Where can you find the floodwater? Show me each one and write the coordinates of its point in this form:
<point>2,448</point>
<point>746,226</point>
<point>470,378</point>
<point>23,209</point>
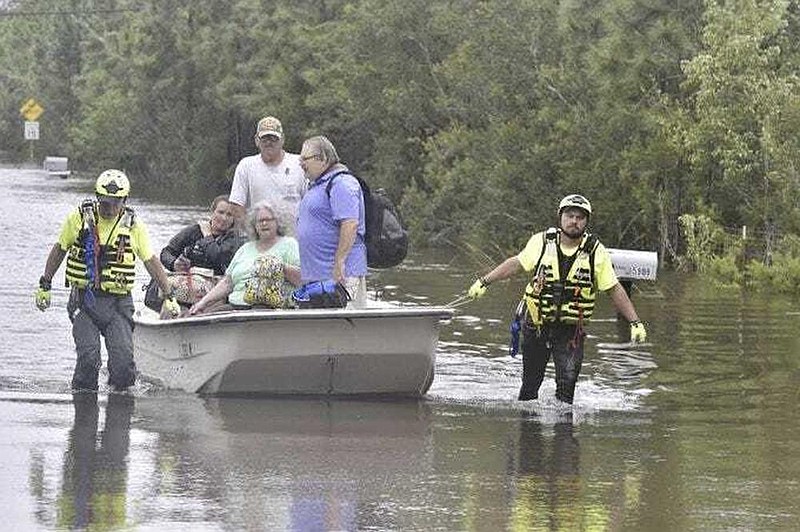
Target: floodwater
<point>697,430</point>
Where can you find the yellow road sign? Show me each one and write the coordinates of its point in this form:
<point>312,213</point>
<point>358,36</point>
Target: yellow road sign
<point>31,110</point>
<point>34,113</point>
<point>30,102</point>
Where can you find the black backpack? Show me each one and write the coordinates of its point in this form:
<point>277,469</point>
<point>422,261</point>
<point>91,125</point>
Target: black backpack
<point>386,239</point>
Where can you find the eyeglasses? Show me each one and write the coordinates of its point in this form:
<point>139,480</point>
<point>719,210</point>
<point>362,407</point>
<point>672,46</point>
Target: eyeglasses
<point>307,157</point>
<point>269,139</point>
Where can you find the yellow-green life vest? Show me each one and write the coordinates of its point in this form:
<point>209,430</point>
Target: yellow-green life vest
<point>550,299</point>
<point>115,259</point>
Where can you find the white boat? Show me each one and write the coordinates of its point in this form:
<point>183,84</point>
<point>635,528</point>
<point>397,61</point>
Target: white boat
<point>373,351</point>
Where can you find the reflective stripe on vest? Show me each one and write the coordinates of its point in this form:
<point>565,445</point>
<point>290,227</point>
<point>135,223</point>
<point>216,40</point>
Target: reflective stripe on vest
<point>116,276</point>
<point>548,298</point>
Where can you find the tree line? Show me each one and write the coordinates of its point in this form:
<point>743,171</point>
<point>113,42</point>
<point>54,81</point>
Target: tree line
<point>476,116</point>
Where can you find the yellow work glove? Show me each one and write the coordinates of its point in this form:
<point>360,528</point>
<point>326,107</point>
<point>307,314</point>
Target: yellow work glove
<point>477,289</point>
<point>170,307</point>
<point>42,297</point>
<point>638,333</point>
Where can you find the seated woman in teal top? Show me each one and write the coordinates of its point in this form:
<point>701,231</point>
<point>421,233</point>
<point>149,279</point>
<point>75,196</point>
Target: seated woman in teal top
<point>262,272</point>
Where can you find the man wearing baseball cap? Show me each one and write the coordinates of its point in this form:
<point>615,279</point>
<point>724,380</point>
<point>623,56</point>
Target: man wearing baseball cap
<point>272,174</point>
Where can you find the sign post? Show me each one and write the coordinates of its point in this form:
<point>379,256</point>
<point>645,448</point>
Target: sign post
<point>31,110</point>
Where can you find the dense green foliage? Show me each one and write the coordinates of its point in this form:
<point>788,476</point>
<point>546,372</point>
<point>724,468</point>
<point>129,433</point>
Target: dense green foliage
<point>477,116</point>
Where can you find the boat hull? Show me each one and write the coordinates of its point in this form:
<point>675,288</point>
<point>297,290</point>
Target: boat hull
<point>385,351</point>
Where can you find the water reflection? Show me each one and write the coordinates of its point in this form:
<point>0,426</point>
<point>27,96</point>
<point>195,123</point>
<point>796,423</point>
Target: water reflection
<point>554,489</point>
<point>286,464</point>
<point>550,492</point>
<point>95,476</point>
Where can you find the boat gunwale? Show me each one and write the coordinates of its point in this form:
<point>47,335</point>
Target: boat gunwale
<point>239,316</point>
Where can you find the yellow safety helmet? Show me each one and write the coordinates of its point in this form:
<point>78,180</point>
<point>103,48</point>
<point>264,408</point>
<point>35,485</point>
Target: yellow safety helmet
<point>575,200</point>
<point>113,183</point>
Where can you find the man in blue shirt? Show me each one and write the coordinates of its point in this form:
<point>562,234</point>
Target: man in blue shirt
<point>331,223</point>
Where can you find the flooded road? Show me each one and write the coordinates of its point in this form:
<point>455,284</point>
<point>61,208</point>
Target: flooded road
<point>698,430</point>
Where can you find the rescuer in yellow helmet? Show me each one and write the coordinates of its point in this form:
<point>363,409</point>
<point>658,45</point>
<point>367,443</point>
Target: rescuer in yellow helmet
<point>100,240</point>
<point>568,265</point>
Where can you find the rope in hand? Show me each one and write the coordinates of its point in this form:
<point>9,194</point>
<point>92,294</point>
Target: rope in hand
<point>463,299</point>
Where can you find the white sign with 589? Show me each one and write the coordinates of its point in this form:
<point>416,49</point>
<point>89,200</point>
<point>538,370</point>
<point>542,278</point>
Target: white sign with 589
<point>31,130</point>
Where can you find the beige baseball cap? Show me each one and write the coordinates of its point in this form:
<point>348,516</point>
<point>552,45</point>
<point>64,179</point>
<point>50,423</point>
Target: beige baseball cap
<point>269,125</point>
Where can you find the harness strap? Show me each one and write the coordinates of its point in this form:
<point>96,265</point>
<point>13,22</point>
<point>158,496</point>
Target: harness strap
<point>329,184</point>
<point>550,244</point>
<point>91,245</point>
<point>574,342</point>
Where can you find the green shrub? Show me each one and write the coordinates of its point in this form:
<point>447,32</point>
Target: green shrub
<point>723,271</point>
<point>703,238</point>
<point>782,275</point>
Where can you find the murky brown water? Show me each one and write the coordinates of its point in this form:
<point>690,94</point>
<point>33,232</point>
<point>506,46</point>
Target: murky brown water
<point>697,431</point>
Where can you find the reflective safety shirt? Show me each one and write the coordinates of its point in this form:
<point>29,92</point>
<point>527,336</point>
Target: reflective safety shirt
<point>551,298</point>
<point>119,241</point>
